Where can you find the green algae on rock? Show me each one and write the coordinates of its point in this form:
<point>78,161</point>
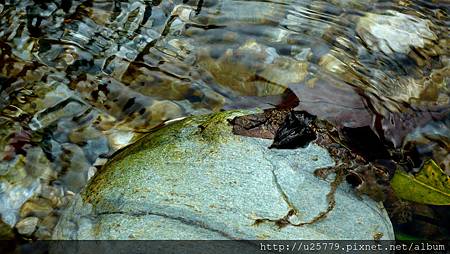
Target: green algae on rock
<point>195,179</point>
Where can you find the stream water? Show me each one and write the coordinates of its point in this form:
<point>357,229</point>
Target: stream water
<point>81,79</point>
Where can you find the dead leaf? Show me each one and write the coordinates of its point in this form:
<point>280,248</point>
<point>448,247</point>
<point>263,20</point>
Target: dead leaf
<point>430,186</point>
<point>295,131</point>
<point>288,129</point>
<point>263,125</point>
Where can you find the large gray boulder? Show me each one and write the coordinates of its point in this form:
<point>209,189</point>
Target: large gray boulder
<point>195,179</point>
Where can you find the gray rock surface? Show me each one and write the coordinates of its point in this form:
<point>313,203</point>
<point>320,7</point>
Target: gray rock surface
<point>195,179</point>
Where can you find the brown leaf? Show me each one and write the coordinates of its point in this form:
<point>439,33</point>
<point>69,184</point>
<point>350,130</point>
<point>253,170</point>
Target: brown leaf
<point>263,125</point>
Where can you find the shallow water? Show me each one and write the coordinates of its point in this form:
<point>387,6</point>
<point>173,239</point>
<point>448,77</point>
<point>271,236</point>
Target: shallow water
<point>81,79</point>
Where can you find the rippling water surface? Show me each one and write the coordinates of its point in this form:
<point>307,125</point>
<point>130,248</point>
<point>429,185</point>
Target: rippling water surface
<point>81,79</point>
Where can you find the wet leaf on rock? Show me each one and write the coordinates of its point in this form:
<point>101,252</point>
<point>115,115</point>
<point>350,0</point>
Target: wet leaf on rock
<point>288,129</point>
<point>430,186</point>
<point>295,131</point>
<point>263,125</point>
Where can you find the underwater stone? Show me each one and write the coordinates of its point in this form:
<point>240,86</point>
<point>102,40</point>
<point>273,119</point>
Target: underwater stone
<point>195,179</point>
<point>96,147</point>
<point>395,32</point>
<point>12,199</point>
<point>27,225</point>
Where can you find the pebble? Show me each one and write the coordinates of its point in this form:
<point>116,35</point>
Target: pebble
<point>27,226</point>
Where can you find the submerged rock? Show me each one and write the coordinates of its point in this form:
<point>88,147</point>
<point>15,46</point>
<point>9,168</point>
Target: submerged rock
<point>395,32</point>
<point>195,179</point>
<point>27,225</point>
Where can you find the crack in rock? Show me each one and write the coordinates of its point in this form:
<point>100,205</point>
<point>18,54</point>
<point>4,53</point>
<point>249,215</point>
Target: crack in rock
<point>180,219</point>
<point>280,189</point>
<point>284,221</point>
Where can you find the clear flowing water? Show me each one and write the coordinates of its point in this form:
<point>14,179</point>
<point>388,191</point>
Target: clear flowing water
<point>81,79</point>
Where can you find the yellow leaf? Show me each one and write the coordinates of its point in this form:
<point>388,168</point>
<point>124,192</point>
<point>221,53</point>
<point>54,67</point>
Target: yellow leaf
<point>430,186</point>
